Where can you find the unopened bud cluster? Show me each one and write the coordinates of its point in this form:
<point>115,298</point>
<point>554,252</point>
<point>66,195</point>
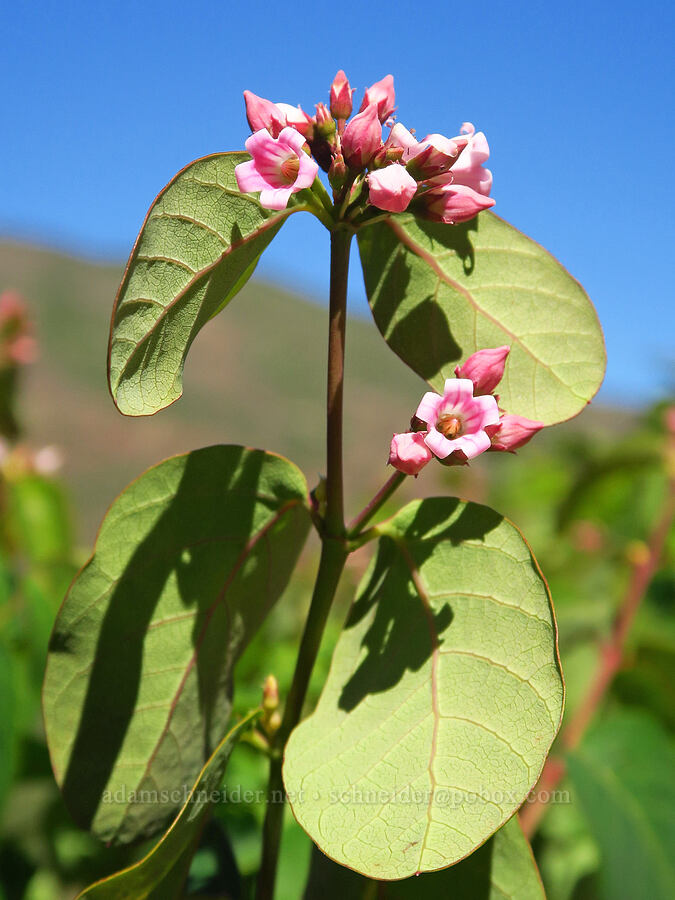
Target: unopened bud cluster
<point>441,178</point>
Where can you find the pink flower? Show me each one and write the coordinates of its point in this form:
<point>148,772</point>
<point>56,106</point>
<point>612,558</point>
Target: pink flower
<point>278,169</point>
<point>408,452</point>
<point>457,420</point>
<point>381,95</point>
<point>469,169</point>
<point>362,138</point>
<point>453,203</point>
<point>341,97</point>
<point>391,188</point>
<point>485,368</point>
<point>512,432</point>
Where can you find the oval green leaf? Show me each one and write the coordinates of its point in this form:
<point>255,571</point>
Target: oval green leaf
<point>443,697</point>
<point>188,562</point>
<point>199,244</point>
<point>502,867</point>
<point>440,292</point>
<point>162,872</point>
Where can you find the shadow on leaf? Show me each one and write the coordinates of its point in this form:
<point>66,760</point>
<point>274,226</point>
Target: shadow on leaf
<point>406,625</point>
<point>192,544</point>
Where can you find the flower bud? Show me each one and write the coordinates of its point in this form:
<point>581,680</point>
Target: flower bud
<point>341,97</point>
<point>325,124</point>
<point>408,453</point>
<point>263,113</point>
<point>485,368</point>
<point>362,138</point>
<point>270,700</point>
<point>512,432</point>
<point>380,95</point>
<point>337,174</point>
<point>391,188</point>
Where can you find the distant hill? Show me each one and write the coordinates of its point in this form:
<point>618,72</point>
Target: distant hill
<point>255,375</point>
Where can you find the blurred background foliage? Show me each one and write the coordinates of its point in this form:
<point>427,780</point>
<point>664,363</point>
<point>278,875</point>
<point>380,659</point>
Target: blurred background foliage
<point>587,495</point>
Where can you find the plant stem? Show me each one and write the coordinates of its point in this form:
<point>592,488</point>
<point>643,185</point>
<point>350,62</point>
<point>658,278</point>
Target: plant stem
<point>333,556</point>
<point>340,241</point>
<point>380,498</point>
<point>609,662</point>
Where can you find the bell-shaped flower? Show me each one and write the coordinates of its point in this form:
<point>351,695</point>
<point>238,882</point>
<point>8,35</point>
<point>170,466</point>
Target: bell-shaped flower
<point>485,368</point>
<point>512,432</point>
<point>456,420</point>
<point>279,167</point>
<point>341,97</point>
<point>469,169</point>
<point>391,188</point>
<point>381,95</point>
<point>362,138</point>
<point>409,453</point>
<point>453,203</point>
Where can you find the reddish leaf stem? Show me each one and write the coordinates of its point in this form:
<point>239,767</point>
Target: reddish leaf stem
<point>371,508</point>
<point>609,662</point>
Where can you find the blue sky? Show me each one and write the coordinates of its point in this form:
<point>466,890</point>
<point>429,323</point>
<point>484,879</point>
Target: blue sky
<point>102,104</point>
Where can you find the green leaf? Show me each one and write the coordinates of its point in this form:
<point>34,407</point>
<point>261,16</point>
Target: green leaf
<point>199,244</point>
<point>442,701</point>
<point>622,774</point>
<point>188,562</point>
<point>439,293</point>
<point>503,867</point>
<point>162,872</point>
<point>7,723</point>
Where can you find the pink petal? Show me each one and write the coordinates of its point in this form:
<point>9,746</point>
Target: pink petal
<point>400,137</point>
<point>427,411</point>
<point>248,177</point>
<point>457,391</point>
<point>391,188</point>
<point>485,410</point>
<point>472,444</point>
<point>306,173</point>
<point>438,444</point>
<point>293,139</point>
<point>275,198</point>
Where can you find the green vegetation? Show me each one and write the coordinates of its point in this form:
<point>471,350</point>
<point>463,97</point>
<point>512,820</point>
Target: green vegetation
<point>589,495</point>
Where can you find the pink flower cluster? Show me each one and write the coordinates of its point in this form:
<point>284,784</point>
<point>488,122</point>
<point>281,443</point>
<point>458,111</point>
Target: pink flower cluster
<point>465,420</point>
<point>445,177</point>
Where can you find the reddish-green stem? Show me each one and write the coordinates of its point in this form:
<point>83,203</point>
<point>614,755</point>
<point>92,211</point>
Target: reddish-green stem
<point>370,509</point>
<point>333,557</point>
<point>609,662</point>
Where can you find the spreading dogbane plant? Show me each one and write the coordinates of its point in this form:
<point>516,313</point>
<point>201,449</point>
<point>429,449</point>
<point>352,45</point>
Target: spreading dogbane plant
<point>445,690</point>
